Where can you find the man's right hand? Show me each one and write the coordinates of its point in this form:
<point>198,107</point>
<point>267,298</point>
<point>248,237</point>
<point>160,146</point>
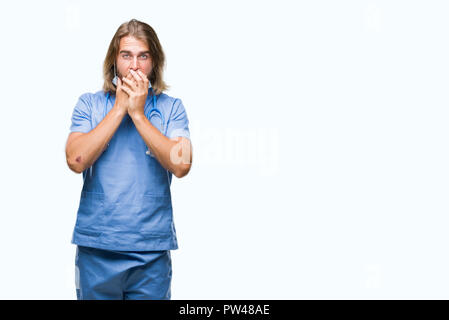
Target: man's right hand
<point>121,97</point>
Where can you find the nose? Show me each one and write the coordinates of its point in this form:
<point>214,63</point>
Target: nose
<point>134,65</point>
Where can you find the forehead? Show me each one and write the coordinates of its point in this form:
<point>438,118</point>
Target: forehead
<point>129,43</point>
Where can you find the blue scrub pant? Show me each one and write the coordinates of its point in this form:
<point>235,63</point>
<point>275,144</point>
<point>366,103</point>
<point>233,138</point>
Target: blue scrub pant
<point>122,275</point>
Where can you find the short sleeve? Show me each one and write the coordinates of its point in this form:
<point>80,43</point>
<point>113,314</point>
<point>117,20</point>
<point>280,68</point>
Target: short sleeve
<point>81,116</point>
<point>178,124</point>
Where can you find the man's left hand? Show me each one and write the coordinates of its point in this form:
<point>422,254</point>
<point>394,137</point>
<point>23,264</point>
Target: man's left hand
<point>136,86</point>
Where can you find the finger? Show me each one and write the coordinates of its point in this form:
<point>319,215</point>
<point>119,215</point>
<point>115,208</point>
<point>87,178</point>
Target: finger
<point>120,85</point>
<point>129,82</point>
<point>127,90</point>
<point>131,78</point>
<point>137,77</point>
<point>144,77</point>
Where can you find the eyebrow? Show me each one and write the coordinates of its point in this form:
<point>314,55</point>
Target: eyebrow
<point>127,51</point>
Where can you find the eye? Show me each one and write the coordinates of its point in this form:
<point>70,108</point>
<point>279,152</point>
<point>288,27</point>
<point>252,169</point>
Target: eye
<point>125,55</point>
<point>144,56</point>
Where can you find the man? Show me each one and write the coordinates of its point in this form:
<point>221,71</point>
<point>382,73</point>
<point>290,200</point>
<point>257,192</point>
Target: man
<point>127,140</point>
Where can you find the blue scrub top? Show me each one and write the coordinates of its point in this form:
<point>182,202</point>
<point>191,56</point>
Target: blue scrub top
<point>125,202</point>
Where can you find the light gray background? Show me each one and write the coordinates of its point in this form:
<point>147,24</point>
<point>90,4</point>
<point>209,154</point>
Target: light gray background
<point>319,128</point>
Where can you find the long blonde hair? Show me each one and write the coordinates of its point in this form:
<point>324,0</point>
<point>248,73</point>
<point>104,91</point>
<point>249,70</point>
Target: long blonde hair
<point>144,32</point>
